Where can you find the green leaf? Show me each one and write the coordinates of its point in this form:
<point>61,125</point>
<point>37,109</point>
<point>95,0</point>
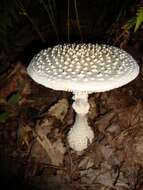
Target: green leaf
<point>130,24</point>
<point>14,98</point>
<point>3,117</point>
<point>139,18</point>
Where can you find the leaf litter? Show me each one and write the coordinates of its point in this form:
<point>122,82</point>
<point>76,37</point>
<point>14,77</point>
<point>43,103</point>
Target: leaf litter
<point>34,136</point>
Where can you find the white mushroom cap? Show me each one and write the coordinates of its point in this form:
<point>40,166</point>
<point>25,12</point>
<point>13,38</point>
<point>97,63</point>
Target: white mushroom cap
<point>83,67</point>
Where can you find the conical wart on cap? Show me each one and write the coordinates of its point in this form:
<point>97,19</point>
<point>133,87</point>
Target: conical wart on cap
<point>83,67</point>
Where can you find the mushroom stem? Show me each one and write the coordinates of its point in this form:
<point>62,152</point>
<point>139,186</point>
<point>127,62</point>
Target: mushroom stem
<point>80,134</point>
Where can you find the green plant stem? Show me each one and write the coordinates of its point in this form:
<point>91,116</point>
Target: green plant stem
<point>35,27</point>
<point>51,18</point>
<point>68,20</point>
<point>54,5</point>
<point>24,12</point>
<point>77,20</point>
<point>51,10</point>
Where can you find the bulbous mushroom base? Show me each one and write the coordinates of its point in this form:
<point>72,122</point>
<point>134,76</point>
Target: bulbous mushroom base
<point>80,134</point>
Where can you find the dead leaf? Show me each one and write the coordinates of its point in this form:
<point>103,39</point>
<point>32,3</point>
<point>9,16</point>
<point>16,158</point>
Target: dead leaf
<point>104,121</point>
<point>92,113</point>
<point>132,115</point>
<point>117,100</point>
<point>25,135</point>
<point>59,110</point>
<point>86,163</point>
<point>54,150</point>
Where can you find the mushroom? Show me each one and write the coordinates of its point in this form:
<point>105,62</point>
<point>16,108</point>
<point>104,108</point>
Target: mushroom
<point>82,69</point>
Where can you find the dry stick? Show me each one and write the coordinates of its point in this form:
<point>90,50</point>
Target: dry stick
<point>77,20</point>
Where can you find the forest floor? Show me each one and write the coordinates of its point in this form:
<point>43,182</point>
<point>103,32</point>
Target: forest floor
<point>34,122</point>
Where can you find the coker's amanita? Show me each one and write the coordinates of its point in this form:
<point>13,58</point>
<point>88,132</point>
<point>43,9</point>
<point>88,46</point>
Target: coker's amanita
<point>82,69</point>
